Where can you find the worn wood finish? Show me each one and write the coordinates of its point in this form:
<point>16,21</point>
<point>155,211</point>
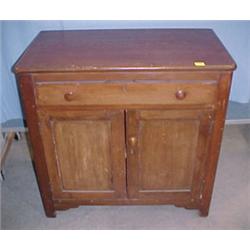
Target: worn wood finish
<point>85,153</point>
<point>104,50</point>
<point>209,175</point>
<point>134,76</point>
<point>125,116</point>
<point>155,92</point>
<point>178,201</point>
<point>27,92</point>
<point>167,151</point>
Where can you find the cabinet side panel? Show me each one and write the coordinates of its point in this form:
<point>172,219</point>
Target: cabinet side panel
<point>27,93</point>
<point>223,96</point>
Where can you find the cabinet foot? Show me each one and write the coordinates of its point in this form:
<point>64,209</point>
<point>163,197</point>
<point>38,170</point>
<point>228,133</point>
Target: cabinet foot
<point>50,214</point>
<point>49,208</point>
<point>204,212</point>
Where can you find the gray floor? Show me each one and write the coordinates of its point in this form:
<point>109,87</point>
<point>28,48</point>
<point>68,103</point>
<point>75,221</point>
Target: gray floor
<point>22,208</point>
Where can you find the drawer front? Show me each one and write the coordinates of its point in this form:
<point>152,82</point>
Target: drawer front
<point>132,93</point>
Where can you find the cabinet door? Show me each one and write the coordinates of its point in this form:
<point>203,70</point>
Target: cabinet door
<point>84,152</point>
<point>167,152</point>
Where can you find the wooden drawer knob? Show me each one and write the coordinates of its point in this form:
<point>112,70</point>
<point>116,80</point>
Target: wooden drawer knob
<point>132,141</point>
<point>69,96</point>
<point>180,94</point>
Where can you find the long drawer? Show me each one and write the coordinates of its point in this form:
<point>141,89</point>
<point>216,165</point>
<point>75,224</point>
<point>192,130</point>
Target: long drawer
<point>118,93</point>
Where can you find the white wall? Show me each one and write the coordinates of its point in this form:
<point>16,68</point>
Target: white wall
<point>16,35</point>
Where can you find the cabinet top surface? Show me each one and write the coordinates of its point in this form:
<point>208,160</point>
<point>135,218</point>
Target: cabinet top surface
<point>111,50</point>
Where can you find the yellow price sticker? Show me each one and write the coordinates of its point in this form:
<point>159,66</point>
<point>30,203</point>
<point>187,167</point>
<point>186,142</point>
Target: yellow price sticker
<point>199,64</point>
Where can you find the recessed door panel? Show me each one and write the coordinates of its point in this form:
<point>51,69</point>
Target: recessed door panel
<point>85,153</point>
<point>166,152</point>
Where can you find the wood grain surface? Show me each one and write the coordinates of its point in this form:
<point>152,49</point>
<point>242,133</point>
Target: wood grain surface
<point>145,92</point>
<point>159,49</point>
<point>169,152</point>
<point>85,153</point>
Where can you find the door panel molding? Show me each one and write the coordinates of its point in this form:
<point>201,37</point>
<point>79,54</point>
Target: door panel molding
<point>185,145</point>
<point>85,153</point>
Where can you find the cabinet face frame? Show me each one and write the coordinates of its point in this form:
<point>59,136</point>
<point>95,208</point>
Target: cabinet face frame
<point>52,124</point>
<point>202,119</point>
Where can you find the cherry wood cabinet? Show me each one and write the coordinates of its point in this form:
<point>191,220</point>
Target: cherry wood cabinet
<point>125,116</point>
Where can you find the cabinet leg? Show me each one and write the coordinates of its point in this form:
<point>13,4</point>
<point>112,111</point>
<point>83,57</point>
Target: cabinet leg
<point>45,193</point>
<point>49,208</point>
<point>204,211</point>
<point>50,214</point>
